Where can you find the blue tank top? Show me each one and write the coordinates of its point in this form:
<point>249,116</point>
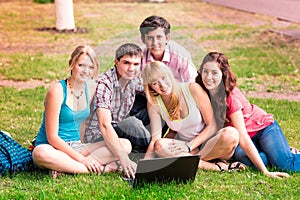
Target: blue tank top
<point>69,120</point>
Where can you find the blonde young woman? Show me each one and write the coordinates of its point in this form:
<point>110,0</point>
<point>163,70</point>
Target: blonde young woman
<point>67,104</point>
<point>186,109</point>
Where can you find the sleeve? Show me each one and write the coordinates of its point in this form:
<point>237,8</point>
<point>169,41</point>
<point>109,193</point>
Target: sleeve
<point>234,105</point>
<point>187,68</point>
<point>103,95</point>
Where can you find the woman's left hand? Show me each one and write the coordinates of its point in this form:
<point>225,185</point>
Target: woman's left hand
<point>178,147</point>
<point>277,174</point>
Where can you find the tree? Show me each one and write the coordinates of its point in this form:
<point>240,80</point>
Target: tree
<point>64,15</point>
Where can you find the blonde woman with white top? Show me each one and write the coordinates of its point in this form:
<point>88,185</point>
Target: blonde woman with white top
<point>186,109</point>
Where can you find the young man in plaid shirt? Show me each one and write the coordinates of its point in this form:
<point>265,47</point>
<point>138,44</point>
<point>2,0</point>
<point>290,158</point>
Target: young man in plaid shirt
<point>113,101</point>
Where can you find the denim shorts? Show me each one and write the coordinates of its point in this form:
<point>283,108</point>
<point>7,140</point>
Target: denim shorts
<point>76,145</point>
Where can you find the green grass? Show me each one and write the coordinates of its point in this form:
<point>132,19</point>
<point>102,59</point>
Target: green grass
<point>256,56</point>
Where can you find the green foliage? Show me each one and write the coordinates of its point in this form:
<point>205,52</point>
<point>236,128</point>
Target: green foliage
<point>256,58</point>
<point>43,1</point>
<point>254,61</point>
<point>33,66</point>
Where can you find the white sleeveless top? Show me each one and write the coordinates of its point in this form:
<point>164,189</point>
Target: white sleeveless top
<point>189,127</point>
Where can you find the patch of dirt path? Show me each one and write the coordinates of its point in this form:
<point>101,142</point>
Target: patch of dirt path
<point>31,84</point>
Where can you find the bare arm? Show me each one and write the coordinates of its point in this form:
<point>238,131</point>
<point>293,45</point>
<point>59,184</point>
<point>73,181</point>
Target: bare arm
<point>112,140</point>
<point>204,105</point>
<point>53,101</point>
<point>248,146</point>
<point>156,127</point>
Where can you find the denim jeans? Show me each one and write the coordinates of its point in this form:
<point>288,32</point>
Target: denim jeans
<point>133,129</point>
<point>273,149</point>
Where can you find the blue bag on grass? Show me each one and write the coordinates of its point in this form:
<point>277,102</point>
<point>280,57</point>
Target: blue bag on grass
<point>13,157</point>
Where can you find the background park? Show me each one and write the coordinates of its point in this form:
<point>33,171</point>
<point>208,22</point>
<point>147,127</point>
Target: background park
<point>33,55</point>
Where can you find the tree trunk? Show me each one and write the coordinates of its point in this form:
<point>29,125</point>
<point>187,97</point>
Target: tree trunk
<point>64,15</point>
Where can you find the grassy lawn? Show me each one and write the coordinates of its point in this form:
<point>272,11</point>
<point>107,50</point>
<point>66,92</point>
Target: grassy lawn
<point>258,57</point>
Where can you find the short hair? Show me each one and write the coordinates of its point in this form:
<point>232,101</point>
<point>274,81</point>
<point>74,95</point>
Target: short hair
<point>152,23</point>
<point>128,49</point>
<point>86,50</point>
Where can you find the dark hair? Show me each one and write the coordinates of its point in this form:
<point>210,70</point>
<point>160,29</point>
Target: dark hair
<point>152,23</point>
<point>128,49</point>
<point>229,83</point>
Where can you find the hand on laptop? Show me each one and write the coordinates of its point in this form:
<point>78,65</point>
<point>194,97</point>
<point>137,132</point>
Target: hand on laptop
<point>129,167</point>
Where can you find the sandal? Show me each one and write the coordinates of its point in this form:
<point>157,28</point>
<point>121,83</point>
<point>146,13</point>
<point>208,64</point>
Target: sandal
<point>236,166</point>
<point>294,150</point>
<point>112,169</point>
<point>55,173</point>
<point>231,167</point>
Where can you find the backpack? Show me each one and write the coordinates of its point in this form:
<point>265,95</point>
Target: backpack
<point>13,157</point>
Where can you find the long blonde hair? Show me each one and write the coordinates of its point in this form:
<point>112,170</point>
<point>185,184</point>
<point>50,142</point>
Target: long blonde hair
<point>151,73</point>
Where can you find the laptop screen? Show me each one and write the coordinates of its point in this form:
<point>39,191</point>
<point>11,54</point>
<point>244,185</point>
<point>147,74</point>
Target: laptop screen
<point>179,169</point>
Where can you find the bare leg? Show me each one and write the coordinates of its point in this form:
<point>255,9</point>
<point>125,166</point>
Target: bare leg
<point>102,154</point>
<point>222,145</point>
<point>45,156</point>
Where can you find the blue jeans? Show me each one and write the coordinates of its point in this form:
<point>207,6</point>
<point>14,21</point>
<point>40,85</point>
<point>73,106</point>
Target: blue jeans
<point>273,149</point>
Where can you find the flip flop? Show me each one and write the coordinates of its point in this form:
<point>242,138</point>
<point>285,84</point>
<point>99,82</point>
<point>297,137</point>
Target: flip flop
<point>55,173</point>
<point>217,161</point>
<point>236,166</point>
<point>231,167</point>
<point>117,169</point>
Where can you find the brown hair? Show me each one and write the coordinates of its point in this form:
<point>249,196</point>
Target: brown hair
<point>229,83</point>
<point>152,23</point>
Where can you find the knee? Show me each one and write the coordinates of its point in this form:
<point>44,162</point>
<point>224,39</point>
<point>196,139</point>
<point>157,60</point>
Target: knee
<point>159,146</point>
<point>126,145</point>
<point>41,154</point>
<point>229,136</point>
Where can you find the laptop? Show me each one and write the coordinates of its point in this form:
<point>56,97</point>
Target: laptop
<point>162,170</point>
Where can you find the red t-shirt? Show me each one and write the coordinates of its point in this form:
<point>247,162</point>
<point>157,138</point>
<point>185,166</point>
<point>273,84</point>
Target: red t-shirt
<point>255,118</point>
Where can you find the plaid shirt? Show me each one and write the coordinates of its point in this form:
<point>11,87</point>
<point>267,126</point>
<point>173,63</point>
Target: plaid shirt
<point>109,95</point>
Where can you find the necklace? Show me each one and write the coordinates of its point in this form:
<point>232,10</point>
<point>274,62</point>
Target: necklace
<point>73,93</point>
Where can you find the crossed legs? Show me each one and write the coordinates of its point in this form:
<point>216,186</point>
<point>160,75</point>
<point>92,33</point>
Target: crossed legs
<point>220,146</point>
<point>46,156</point>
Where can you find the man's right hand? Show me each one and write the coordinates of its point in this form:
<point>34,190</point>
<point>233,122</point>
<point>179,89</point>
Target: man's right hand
<point>129,167</point>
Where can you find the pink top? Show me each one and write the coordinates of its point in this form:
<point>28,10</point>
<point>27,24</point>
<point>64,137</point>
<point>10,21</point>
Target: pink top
<point>177,58</point>
<point>255,118</point>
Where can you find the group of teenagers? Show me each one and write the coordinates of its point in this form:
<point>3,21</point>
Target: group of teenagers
<point>153,100</point>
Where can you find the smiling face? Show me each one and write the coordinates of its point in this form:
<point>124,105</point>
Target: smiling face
<point>128,67</point>
<point>211,76</point>
<point>84,69</point>
<point>156,41</point>
<point>162,85</point>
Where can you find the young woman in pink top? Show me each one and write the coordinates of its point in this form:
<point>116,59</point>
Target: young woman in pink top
<point>261,141</point>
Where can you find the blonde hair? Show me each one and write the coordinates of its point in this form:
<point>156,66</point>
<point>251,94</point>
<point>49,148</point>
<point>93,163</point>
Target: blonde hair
<point>86,50</point>
<point>151,73</point>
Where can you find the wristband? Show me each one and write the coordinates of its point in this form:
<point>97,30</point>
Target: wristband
<point>189,148</point>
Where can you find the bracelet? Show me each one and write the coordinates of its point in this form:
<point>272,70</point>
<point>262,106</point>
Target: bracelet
<point>189,148</point>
